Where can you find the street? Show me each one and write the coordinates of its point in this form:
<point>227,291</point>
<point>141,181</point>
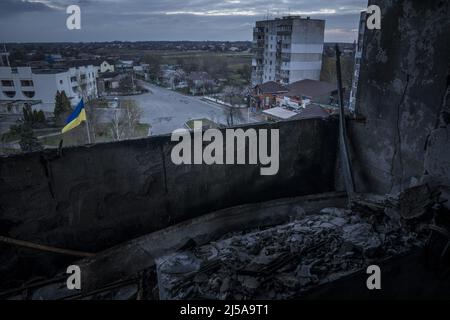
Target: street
<point>166,110</point>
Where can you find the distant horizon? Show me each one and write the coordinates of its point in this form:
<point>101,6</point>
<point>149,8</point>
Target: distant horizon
<point>137,41</point>
<point>44,21</point>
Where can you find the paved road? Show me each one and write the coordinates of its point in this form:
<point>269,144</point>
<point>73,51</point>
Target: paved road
<point>166,110</point>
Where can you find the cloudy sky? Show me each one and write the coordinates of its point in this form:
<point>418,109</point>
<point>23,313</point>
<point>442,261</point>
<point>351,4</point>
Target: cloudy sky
<point>140,20</point>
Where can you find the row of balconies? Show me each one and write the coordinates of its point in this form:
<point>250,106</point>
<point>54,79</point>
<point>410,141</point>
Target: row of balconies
<point>9,84</point>
<point>12,93</point>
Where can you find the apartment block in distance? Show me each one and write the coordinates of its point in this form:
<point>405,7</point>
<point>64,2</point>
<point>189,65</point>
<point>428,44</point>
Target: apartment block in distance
<point>287,49</point>
<point>26,84</point>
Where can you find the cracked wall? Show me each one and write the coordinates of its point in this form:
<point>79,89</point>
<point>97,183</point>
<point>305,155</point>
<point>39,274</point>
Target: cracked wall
<point>93,197</point>
<point>403,85</point>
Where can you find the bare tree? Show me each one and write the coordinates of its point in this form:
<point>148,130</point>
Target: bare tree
<point>230,92</point>
<point>116,124</point>
<point>233,115</point>
<point>125,119</point>
<point>133,115</point>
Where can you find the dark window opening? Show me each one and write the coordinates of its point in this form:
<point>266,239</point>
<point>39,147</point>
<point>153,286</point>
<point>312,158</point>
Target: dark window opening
<point>9,94</point>
<point>28,94</point>
<point>7,83</point>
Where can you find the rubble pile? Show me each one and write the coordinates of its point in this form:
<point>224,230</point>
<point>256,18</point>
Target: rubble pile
<point>283,261</point>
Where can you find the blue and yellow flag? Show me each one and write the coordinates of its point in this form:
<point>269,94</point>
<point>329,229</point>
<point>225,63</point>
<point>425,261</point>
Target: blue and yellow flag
<point>78,115</point>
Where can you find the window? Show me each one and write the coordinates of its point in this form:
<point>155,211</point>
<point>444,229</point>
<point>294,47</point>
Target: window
<point>26,83</point>
<point>60,82</point>
<point>7,83</point>
<point>9,94</point>
<point>28,94</point>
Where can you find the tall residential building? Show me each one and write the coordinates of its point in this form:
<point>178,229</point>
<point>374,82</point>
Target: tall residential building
<point>358,56</point>
<point>4,57</point>
<point>25,84</point>
<point>287,49</point>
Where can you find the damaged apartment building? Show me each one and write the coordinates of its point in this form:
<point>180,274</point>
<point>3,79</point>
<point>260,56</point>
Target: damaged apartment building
<point>140,227</point>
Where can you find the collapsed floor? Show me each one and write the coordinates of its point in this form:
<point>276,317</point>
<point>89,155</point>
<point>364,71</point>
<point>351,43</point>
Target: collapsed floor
<point>305,250</point>
<point>286,260</point>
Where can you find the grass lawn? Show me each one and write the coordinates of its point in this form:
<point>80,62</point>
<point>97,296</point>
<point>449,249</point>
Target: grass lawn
<point>78,135</point>
<point>9,136</point>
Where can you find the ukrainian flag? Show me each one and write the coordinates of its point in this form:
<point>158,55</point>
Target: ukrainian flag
<point>77,116</point>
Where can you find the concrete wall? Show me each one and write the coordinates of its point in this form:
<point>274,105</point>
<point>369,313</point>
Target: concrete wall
<point>94,197</point>
<point>403,85</point>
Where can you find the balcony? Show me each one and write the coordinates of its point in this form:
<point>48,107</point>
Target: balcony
<point>258,31</point>
<point>258,50</point>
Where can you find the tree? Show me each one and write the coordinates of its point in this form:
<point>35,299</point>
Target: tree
<point>132,116</point>
<point>36,119</point>
<point>234,116</point>
<point>63,107</point>
<point>116,124</point>
<point>28,142</point>
<point>230,92</point>
<point>126,85</point>
<point>125,120</point>
<point>154,61</point>
<point>245,72</point>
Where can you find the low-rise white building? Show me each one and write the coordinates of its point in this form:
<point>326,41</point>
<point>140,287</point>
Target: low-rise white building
<point>105,66</point>
<point>25,84</point>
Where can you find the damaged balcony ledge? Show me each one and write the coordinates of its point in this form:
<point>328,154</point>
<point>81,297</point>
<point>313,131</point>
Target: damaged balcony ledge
<point>297,248</point>
<point>92,198</point>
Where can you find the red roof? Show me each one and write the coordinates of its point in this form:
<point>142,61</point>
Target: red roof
<point>311,88</point>
<point>271,87</point>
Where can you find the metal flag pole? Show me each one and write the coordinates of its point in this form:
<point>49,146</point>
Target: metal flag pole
<point>87,123</point>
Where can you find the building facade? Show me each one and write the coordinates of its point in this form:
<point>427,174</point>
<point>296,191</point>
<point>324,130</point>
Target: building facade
<point>287,49</point>
<point>358,56</point>
<point>25,84</point>
<point>105,66</point>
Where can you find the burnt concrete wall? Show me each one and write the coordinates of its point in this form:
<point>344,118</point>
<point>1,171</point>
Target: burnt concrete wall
<point>93,197</point>
<point>403,85</point>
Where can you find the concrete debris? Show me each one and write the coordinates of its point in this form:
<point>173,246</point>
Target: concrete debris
<point>409,204</point>
<point>416,201</point>
<point>285,261</point>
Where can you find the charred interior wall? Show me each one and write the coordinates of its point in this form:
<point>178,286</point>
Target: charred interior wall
<point>92,197</point>
<point>404,138</point>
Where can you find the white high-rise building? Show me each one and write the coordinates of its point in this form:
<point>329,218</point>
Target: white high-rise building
<point>287,49</point>
<point>25,84</point>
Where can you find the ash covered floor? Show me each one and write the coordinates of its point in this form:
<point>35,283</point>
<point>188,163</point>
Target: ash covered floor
<point>285,261</point>
<point>309,252</point>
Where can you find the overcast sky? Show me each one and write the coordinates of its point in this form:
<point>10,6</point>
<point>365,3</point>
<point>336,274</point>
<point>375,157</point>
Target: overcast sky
<point>141,20</point>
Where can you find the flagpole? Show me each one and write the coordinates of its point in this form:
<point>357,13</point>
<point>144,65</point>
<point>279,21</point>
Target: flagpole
<point>87,129</point>
<point>87,125</point>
